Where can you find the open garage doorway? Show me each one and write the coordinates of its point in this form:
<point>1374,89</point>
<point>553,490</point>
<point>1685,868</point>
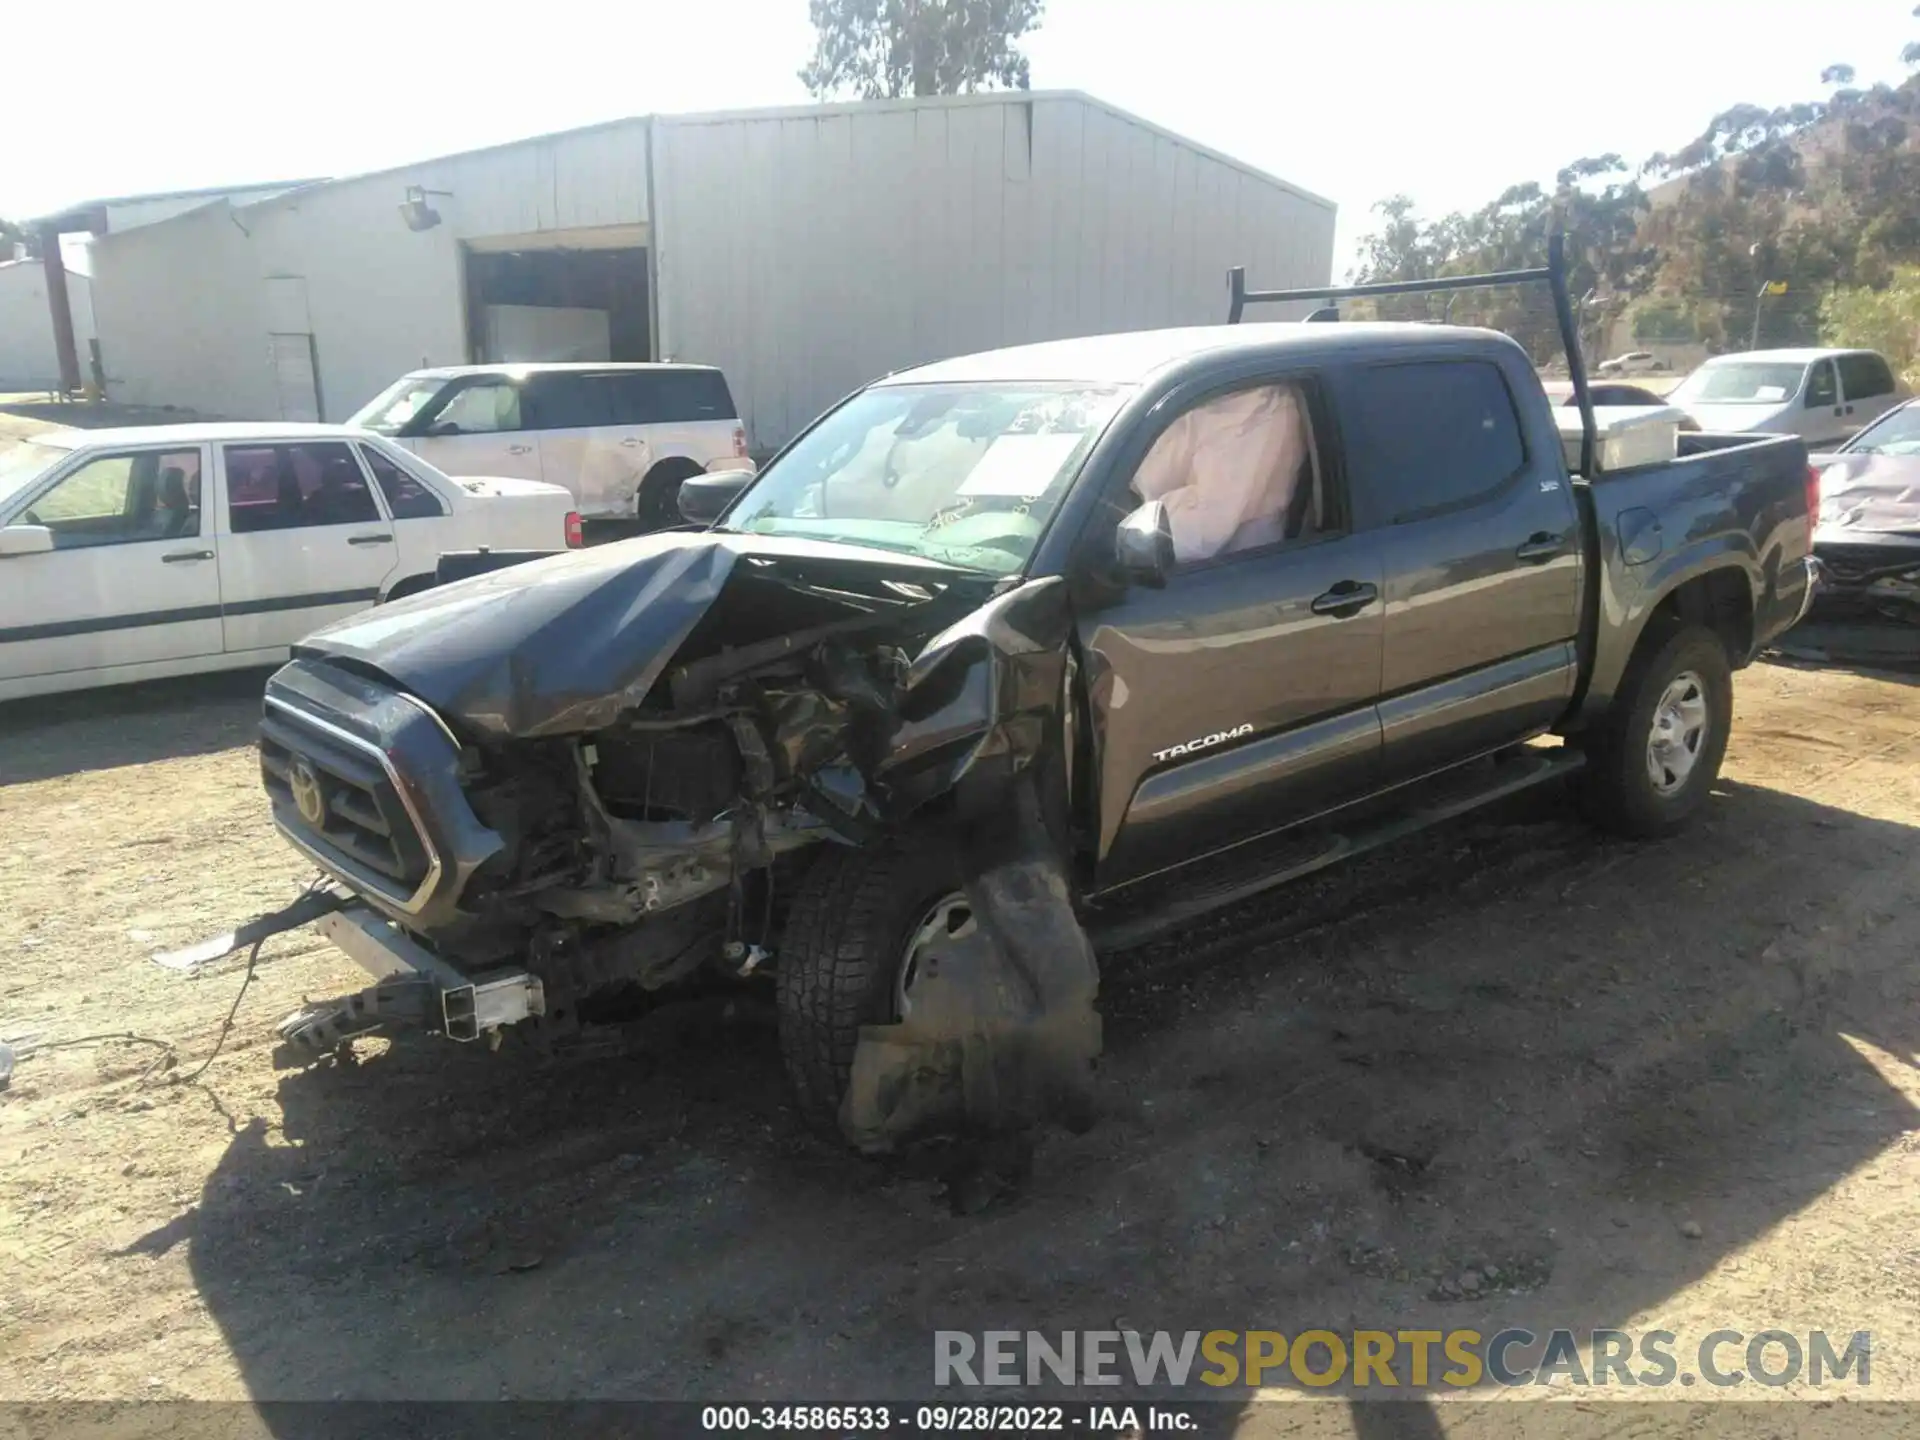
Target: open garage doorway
<point>557,301</point>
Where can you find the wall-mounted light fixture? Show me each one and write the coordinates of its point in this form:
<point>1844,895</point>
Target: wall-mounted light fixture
<point>415,213</point>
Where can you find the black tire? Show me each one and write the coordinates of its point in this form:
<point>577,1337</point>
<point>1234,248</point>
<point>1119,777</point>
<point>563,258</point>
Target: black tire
<point>1617,789</point>
<point>657,505</point>
<point>839,957</point>
<point>412,585</point>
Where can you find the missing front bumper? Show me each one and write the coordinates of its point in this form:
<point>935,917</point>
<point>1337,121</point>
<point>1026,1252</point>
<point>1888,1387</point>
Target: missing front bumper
<point>466,1006</point>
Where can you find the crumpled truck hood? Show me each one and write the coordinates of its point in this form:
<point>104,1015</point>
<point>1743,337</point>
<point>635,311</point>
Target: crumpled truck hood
<point>564,645</point>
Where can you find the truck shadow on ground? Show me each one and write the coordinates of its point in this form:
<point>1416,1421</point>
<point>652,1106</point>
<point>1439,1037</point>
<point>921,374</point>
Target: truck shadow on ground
<point>55,735</point>
<point>1884,649</point>
<point>1503,1075</point>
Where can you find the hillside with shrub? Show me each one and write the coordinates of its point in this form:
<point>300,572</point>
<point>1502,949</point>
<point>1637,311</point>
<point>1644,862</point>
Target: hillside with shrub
<point>1791,226</point>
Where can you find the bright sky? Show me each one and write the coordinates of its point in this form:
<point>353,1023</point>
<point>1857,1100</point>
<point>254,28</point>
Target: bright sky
<point>1448,102</point>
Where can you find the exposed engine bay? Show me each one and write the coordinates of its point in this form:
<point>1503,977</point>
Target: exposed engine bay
<point>579,793</point>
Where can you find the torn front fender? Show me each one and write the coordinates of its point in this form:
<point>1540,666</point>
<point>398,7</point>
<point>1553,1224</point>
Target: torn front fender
<point>1000,1029</point>
<point>981,699</point>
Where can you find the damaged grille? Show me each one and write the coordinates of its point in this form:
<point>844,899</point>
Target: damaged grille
<point>333,794</point>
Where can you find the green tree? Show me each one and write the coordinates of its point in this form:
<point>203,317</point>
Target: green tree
<point>885,49</point>
<point>1401,249</point>
<point>1663,320</point>
<point>1594,201</point>
<point>1823,195</point>
<point>1885,319</point>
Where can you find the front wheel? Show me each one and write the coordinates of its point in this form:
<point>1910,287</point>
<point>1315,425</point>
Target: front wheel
<point>1653,758</point>
<point>859,922</point>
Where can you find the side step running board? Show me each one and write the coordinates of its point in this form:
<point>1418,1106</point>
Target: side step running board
<point>1320,845</point>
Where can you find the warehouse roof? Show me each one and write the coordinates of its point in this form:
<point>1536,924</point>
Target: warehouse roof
<point>810,112</point>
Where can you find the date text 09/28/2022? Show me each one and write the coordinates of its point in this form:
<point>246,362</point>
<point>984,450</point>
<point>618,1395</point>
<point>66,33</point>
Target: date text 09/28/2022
<point>951,1419</point>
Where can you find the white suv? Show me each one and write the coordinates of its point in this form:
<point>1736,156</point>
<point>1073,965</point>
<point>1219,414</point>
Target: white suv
<point>620,438</point>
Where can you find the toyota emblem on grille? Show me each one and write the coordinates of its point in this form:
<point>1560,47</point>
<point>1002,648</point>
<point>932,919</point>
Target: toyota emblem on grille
<point>308,797</point>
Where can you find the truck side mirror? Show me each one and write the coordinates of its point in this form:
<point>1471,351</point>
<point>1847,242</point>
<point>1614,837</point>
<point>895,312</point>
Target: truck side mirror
<point>704,499</point>
<point>1144,545</point>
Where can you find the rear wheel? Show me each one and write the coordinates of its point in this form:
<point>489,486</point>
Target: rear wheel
<point>657,504</point>
<point>412,585</point>
<point>1654,757</point>
<point>859,925</point>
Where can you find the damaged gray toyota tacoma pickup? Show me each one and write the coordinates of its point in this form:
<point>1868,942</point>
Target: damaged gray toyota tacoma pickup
<point>1007,661</point>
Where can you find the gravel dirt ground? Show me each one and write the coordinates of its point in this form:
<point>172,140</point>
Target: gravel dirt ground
<point>1660,1085</point>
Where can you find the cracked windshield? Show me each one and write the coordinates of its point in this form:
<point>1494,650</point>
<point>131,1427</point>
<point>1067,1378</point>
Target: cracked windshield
<point>964,474</point>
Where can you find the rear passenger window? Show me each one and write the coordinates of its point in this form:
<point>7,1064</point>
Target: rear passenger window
<point>662,397</point>
<point>293,487</point>
<point>1863,377</point>
<point>407,498</point>
<point>1430,435</point>
<point>567,401</point>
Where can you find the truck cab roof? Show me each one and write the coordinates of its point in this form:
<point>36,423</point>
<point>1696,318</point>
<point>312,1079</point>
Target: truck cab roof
<point>1134,356</point>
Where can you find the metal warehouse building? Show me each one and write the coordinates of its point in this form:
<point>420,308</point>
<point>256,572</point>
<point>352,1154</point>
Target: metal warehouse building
<point>805,251</point>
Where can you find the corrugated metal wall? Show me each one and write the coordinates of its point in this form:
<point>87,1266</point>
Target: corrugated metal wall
<point>182,317</point>
<point>805,251</point>
<point>808,252</point>
<point>386,299</point>
<point>184,301</point>
<point>27,357</point>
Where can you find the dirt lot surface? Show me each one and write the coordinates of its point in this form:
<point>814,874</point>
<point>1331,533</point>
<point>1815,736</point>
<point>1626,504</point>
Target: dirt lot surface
<point>1664,1085</point>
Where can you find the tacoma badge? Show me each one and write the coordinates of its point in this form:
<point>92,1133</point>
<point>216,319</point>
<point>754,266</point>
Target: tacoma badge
<point>1205,742</point>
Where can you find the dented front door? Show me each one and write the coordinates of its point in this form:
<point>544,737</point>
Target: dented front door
<point>1224,707</point>
<point>1242,696</point>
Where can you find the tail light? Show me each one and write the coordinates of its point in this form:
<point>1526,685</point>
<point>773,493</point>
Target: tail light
<point>1813,494</point>
<point>575,536</point>
<point>739,442</point>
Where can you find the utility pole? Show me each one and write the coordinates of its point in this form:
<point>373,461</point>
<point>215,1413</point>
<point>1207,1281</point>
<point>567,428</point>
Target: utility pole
<point>1766,287</point>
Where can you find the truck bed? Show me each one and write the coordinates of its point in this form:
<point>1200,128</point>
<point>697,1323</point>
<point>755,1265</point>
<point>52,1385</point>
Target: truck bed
<point>1654,527</point>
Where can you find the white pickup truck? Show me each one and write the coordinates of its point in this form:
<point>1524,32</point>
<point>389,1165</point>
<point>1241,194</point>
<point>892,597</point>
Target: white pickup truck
<point>132,554</point>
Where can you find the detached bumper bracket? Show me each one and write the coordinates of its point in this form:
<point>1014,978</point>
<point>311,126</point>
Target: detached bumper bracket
<point>308,908</point>
<point>470,1005</point>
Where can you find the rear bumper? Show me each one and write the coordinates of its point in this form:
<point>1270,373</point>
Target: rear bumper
<point>1810,589</point>
<point>468,1005</point>
<point>1785,603</point>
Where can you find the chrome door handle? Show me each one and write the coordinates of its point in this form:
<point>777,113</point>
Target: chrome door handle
<point>1347,598</point>
<point>181,557</point>
<point>633,440</point>
<point>369,539</point>
<point>519,449</point>
<point>1540,547</point>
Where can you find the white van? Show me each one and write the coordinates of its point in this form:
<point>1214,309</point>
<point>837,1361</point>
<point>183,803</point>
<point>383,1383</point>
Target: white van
<point>620,438</point>
<point>1823,396</point>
